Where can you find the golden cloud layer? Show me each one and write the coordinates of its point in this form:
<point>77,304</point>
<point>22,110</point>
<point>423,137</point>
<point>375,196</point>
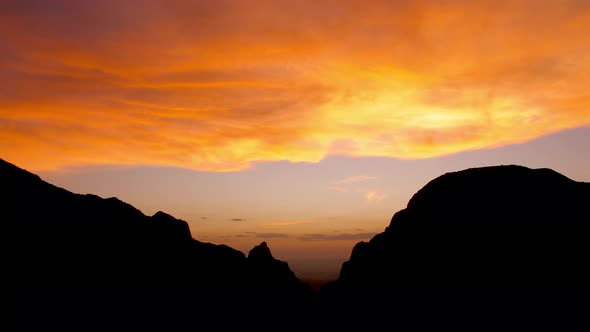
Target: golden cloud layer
<point>217,85</point>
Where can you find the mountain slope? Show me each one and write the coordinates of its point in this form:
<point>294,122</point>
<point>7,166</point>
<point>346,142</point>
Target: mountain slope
<point>503,226</point>
<point>52,237</point>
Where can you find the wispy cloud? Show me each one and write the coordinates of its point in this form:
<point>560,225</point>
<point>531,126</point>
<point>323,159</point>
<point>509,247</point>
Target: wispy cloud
<point>272,235</point>
<point>373,196</point>
<point>264,235</point>
<point>335,237</point>
<point>283,223</point>
<point>355,179</point>
<point>352,185</point>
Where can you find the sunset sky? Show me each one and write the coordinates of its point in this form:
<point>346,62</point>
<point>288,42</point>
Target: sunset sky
<point>303,123</point>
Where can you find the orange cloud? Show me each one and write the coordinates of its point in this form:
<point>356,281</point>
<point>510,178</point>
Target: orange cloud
<point>218,85</point>
<point>373,196</point>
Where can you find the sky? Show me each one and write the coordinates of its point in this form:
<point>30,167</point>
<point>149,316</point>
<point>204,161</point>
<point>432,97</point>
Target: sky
<point>303,123</point>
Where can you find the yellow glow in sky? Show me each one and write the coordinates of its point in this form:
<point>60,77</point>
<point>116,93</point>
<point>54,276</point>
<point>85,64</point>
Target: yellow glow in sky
<point>218,85</point>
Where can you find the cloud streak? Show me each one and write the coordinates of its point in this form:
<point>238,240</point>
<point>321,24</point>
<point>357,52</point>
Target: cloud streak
<point>355,179</point>
<point>264,235</point>
<point>373,196</point>
<point>216,86</point>
<point>336,237</point>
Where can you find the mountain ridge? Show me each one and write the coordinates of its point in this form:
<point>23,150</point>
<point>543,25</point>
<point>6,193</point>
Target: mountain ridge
<point>496,226</point>
<point>82,257</point>
<point>58,238</point>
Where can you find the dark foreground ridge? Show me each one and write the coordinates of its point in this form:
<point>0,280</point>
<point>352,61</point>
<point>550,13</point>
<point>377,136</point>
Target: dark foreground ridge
<point>503,226</point>
<point>54,238</point>
<point>487,248</point>
<point>69,257</point>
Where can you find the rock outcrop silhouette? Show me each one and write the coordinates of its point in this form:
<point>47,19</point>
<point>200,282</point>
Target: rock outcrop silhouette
<point>54,238</point>
<point>266,271</point>
<point>501,226</point>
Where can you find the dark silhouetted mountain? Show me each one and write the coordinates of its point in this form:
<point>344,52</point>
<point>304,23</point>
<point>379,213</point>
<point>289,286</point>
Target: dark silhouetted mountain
<point>54,238</point>
<point>266,271</point>
<point>261,253</point>
<point>503,226</point>
<point>81,260</point>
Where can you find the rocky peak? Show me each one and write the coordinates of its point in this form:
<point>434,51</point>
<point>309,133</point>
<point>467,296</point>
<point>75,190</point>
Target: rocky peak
<point>260,252</point>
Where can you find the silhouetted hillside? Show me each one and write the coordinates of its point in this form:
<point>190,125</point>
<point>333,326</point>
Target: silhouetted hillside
<point>266,271</point>
<point>54,238</point>
<point>504,226</point>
